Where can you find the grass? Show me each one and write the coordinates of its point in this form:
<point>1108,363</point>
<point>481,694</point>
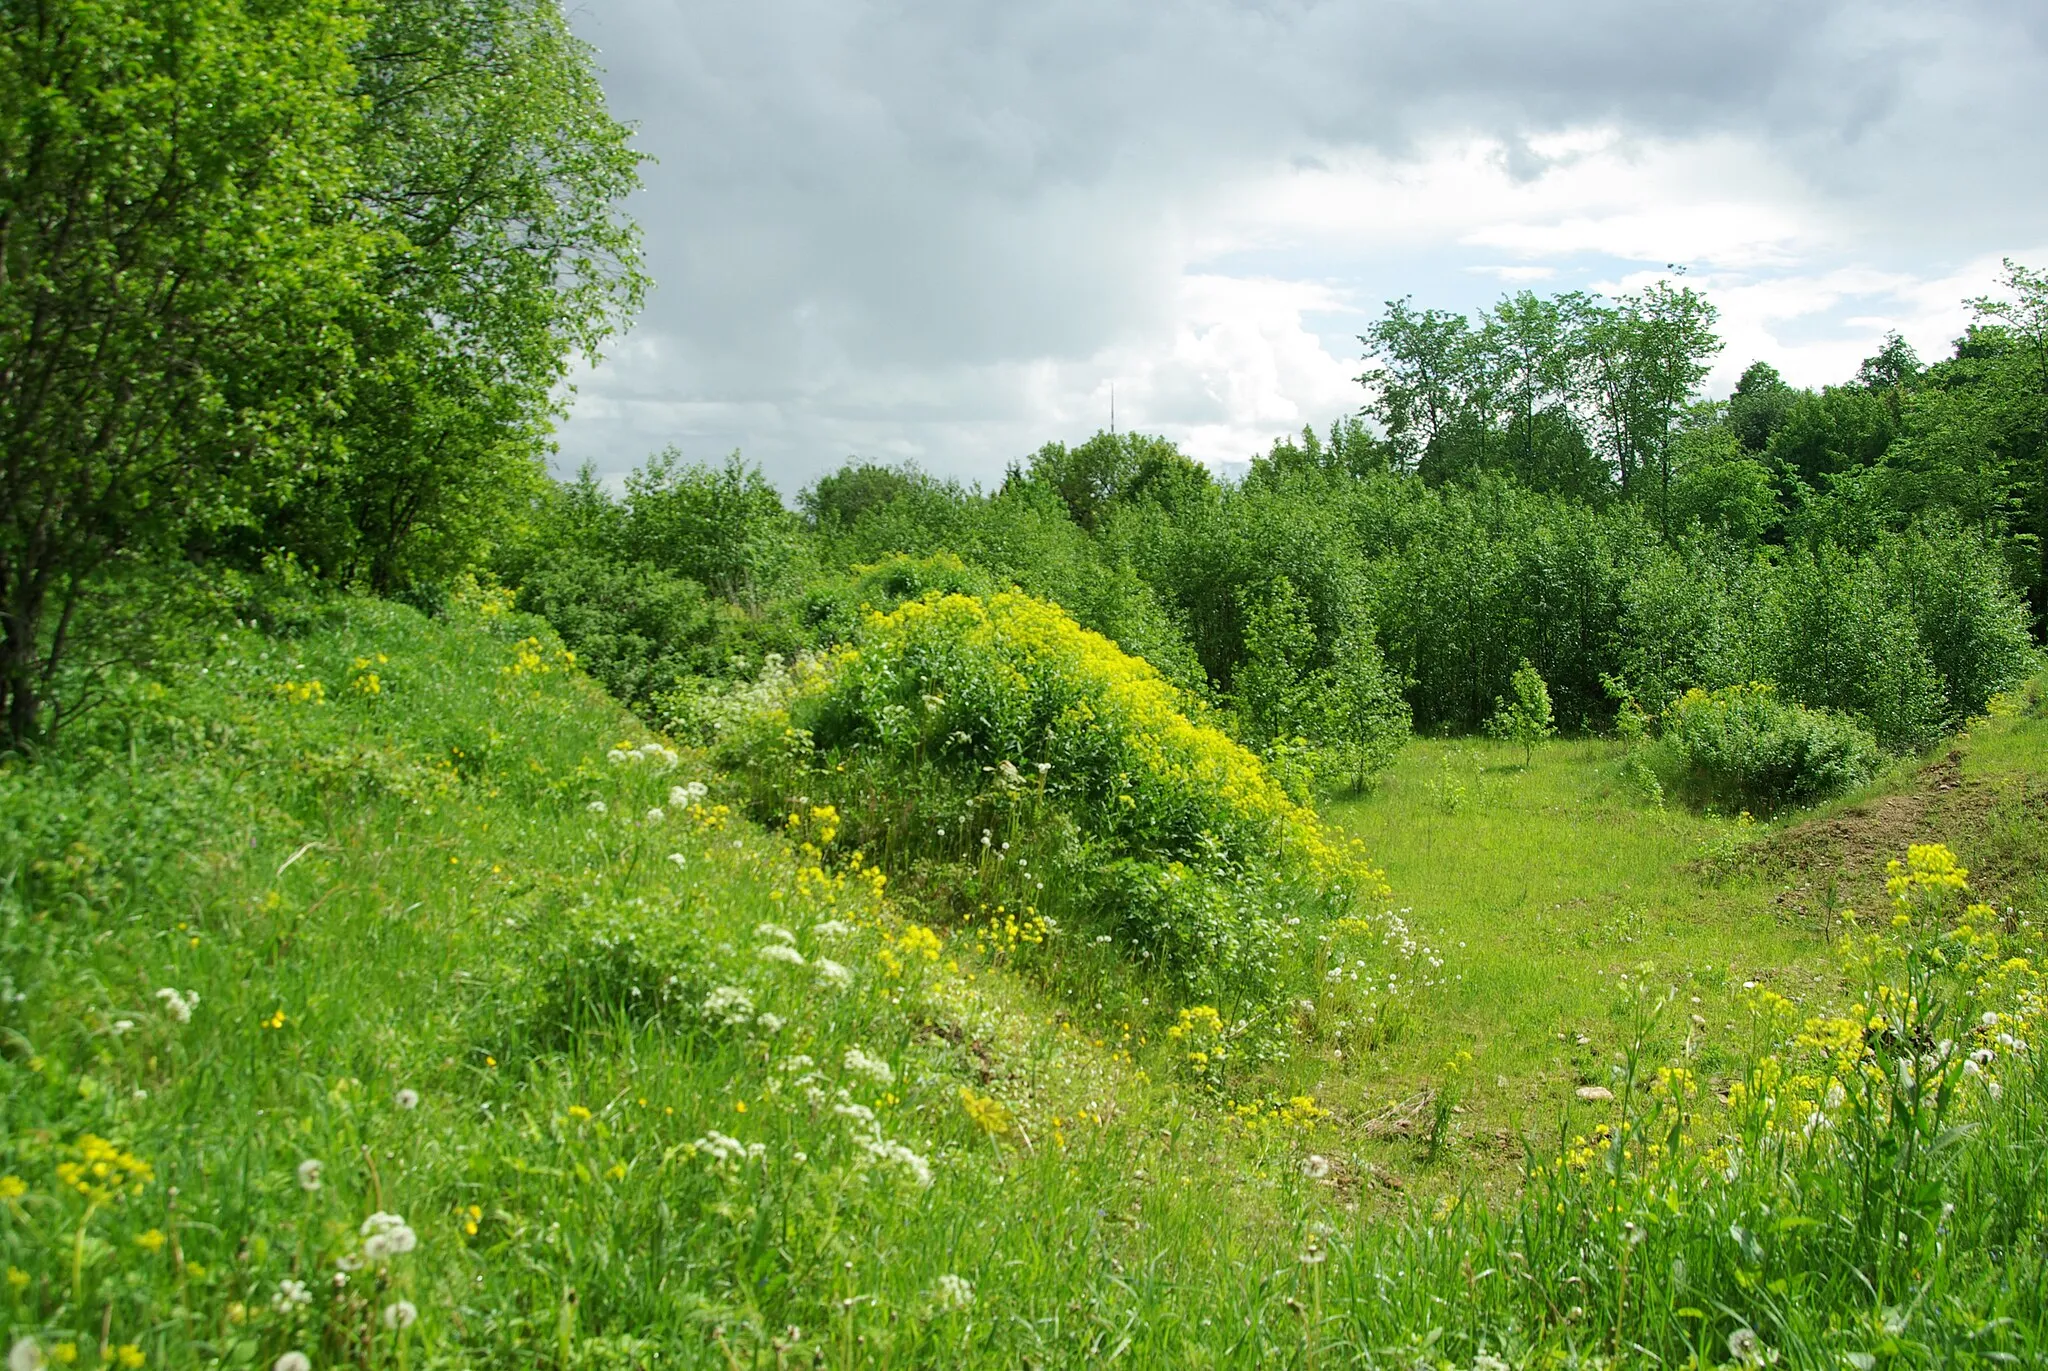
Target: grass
<point>440,946</point>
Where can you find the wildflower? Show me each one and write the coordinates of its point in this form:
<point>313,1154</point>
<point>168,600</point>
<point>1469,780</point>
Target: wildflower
<point>769,1023</point>
<point>986,1112</point>
<point>291,1296</point>
<point>17,1279</point>
<point>896,1154</point>
<point>729,1004</point>
<point>1746,1347</point>
<point>408,1098</point>
<point>120,1026</point>
<point>596,806</point>
<point>859,1063</point>
<point>64,1353</point>
<point>677,858</point>
<point>578,1112</point>
<point>831,928</point>
<point>309,1175</point>
<point>400,1315</point>
<point>292,1361</point>
<point>953,1292</point>
<point>774,933</point>
<point>387,1235</point>
<point>1315,1166</point>
<point>655,816</point>
<point>831,974</point>
<point>780,952</point>
<point>12,1187</point>
<point>128,1356</point>
<point>1314,1254</point>
<point>25,1355</point>
<point>683,796</point>
<point>178,1006</point>
<point>152,1241</point>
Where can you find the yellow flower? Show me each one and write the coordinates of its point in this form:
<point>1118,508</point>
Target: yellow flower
<point>17,1278</point>
<point>986,1112</point>
<point>578,1112</point>
<point>152,1241</point>
<point>64,1353</point>
<point>129,1356</point>
<point>12,1187</point>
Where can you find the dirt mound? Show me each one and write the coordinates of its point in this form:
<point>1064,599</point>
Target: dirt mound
<point>1997,826</point>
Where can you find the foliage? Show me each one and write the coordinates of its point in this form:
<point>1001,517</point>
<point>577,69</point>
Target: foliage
<point>1523,716</point>
<point>996,735</point>
<point>491,173</point>
<point>1745,745</point>
<point>172,331</point>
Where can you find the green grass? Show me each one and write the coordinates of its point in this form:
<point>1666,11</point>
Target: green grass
<point>1543,889</point>
<point>409,889</point>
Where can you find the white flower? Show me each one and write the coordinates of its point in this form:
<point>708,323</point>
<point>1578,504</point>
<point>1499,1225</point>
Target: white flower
<point>775,933</point>
<point>291,1295</point>
<point>859,1113</point>
<point>953,1292</point>
<point>677,858</point>
<point>831,973</point>
<point>619,757</point>
<point>386,1236</point>
<point>896,1154</point>
<point>400,1315</point>
<point>655,816</point>
<point>178,1006</point>
<point>728,1152</point>
<point>292,1361</point>
<point>1315,1166</point>
<point>831,928</point>
<point>780,952</point>
<point>875,1069</point>
<point>729,1004</point>
<point>309,1175</point>
<point>25,1355</point>
<point>120,1026</point>
<point>683,796</point>
<point>596,807</point>
<point>769,1023</point>
<point>408,1098</point>
<point>663,757</point>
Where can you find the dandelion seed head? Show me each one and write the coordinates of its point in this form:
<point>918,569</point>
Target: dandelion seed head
<point>408,1098</point>
<point>309,1175</point>
<point>400,1314</point>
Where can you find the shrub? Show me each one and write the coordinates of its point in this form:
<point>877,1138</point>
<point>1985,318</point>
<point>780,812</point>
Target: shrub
<point>1062,786</point>
<point>1748,745</point>
<point>1523,715</point>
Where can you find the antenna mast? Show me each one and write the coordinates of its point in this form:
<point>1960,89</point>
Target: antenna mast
<point>1112,409</point>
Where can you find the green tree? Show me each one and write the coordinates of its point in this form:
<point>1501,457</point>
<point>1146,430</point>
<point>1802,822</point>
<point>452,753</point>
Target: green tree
<point>177,271</point>
<point>1757,406</point>
<point>491,174</point>
<point>723,527</point>
<point>1523,715</point>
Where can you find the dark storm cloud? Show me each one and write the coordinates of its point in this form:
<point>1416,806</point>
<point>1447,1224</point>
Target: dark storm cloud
<point>862,211</point>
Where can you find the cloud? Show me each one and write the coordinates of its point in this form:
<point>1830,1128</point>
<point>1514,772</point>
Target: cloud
<point>942,232</point>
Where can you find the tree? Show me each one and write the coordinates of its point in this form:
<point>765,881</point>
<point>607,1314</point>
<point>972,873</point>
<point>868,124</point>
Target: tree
<point>491,174</point>
<point>1424,381</point>
<point>1641,363</point>
<point>1757,406</point>
<point>1523,715</point>
<point>176,275</point>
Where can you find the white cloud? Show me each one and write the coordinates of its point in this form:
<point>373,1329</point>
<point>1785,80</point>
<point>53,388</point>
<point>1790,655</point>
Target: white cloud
<point>943,234</point>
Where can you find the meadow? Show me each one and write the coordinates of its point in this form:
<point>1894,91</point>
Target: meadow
<point>380,993</point>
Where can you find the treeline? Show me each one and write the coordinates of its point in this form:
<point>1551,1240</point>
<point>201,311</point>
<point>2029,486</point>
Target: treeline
<point>1867,547</point>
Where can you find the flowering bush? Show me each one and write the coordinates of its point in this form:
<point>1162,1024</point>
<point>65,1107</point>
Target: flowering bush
<point>995,736</point>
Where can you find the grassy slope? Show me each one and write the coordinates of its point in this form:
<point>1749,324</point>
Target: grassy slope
<point>1544,886</point>
<point>406,889</point>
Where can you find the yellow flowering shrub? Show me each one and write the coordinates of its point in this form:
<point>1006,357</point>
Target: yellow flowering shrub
<point>1074,787</point>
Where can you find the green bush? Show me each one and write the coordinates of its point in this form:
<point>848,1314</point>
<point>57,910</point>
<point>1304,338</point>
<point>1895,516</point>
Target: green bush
<point>1055,791</point>
<point>1748,746</point>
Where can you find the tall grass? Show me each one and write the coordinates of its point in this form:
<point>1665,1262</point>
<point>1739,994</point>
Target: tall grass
<point>424,927</point>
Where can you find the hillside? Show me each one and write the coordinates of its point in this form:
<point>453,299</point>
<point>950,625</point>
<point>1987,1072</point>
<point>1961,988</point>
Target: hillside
<point>377,989</point>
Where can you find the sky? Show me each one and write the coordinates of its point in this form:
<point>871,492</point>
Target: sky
<point>946,231</point>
